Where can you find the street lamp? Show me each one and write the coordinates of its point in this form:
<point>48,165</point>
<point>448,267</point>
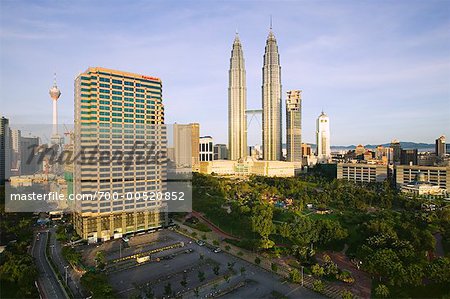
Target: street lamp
<point>65,268</point>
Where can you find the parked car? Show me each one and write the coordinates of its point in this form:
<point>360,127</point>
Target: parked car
<point>200,243</point>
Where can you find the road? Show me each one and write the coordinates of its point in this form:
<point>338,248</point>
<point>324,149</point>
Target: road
<point>73,278</point>
<point>48,283</point>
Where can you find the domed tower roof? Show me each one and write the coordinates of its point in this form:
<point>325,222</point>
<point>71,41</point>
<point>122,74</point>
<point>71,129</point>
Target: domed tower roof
<point>420,177</point>
<point>54,92</point>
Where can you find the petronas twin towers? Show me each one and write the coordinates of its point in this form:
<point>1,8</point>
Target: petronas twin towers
<point>237,104</point>
<point>271,102</point>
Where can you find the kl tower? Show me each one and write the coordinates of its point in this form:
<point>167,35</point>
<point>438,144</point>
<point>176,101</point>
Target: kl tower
<point>55,93</point>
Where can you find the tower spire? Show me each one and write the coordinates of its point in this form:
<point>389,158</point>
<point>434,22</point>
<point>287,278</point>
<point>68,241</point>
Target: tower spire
<point>270,22</point>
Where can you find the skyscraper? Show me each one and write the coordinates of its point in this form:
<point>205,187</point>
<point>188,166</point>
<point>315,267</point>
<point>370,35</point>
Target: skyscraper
<point>271,100</point>
<point>396,151</point>
<point>294,126</point>
<point>440,147</point>
<point>120,114</point>
<point>5,149</point>
<point>186,145</point>
<point>16,135</point>
<point>408,157</point>
<point>237,103</point>
<point>323,138</point>
<point>28,150</point>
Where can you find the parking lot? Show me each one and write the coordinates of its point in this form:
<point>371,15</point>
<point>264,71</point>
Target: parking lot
<point>185,269</point>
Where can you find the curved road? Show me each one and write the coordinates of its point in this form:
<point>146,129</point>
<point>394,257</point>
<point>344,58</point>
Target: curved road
<point>48,283</point>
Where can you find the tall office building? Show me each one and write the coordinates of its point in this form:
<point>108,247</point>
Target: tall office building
<point>186,145</point>
<point>271,101</point>
<point>220,152</point>
<point>396,151</point>
<point>5,150</point>
<point>408,157</point>
<point>206,147</point>
<point>117,113</point>
<point>28,151</point>
<point>294,126</point>
<point>15,158</point>
<point>195,139</point>
<point>237,103</point>
<point>323,151</point>
<point>440,147</point>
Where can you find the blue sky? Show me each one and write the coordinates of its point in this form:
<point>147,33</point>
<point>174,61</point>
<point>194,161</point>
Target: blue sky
<point>380,69</point>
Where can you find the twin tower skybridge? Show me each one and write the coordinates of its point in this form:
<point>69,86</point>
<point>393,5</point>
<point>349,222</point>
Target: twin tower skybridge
<point>254,114</point>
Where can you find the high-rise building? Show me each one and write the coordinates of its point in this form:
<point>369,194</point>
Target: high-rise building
<point>271,101</point>
<point>396,151</point>
<point>186,145</point>
<point>119,113</point>
<point>195,139</point>
<point>323,150</point>
<point>206,147</point>
<point>294,126</point>
<point>220,152</point>
<point>440,147</point>
<point>360,150</point>
<point>306,150</point>
<point>15,158</point>
<point>5,150</point>
<point>28,151</point>
<point>237,103</point>
<point>408,157</point>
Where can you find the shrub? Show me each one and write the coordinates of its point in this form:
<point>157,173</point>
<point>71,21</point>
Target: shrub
<point>318,286</point>
<point>274,267</point>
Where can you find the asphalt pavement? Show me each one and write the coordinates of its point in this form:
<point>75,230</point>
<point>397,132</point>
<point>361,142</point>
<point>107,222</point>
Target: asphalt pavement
<point>48,282</point>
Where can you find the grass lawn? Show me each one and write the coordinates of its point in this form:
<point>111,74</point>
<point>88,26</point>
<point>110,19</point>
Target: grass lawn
<point>333,216</point>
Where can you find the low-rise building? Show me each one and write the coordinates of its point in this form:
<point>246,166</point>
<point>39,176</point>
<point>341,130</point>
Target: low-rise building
<point>359,172</point>
<point>249,166</point>
<point>435,175</point>
<point>422,188</point>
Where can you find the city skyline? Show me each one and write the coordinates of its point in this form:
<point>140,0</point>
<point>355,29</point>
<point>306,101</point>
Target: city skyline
<point>386,65</point>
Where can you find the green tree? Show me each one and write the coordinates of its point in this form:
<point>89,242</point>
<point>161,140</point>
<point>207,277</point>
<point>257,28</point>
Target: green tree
<point>382,291</point>
<point>439,270</point>
<point>231,265</point>
<point>317,270</point>
<point>257,260</point>
<point>274,267</point>
<point>294,275</point>
<point>216,269</point>
<point>261,223</point>
<point>201,276</point>
<point>168,289</point>
<point>183,282</point>
<point>346,294</point>
<point>318,286</point>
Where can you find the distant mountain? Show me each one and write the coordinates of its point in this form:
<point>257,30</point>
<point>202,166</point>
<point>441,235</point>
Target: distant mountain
<point>404,145</point>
